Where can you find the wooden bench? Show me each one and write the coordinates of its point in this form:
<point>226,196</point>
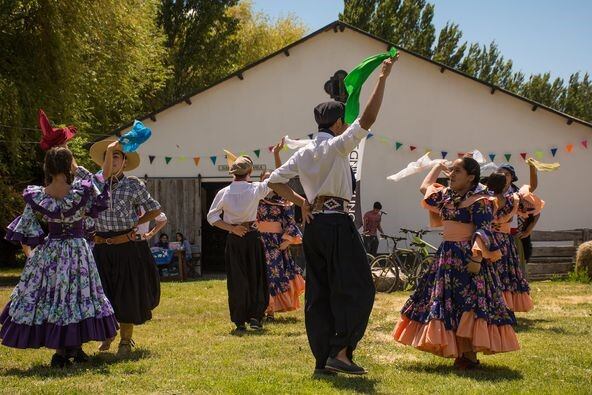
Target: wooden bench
<point>553,252</point>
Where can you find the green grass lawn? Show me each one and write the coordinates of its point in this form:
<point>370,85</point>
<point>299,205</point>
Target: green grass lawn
<point>188,348</point>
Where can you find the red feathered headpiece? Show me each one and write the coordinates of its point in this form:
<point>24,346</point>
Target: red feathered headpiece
<point>52,137</point>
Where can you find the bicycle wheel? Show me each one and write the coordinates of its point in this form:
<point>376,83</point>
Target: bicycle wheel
<point>410,261</point>
<point>370,258</point>
<point>385,274</point>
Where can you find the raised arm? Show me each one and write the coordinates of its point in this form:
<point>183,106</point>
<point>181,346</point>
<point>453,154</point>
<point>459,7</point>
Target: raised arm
<point>534,177</point>
<point>108,162</point>
<point>373,107</point>
<point>276,153</point>
<point>431,177</point>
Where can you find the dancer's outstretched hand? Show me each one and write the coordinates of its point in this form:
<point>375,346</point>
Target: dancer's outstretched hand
<point>279,146</point>
<point>387,65</point>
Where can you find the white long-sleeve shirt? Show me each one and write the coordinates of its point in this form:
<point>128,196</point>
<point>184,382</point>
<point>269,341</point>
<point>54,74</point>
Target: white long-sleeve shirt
<point>238,202</point>
<point>323,167</point>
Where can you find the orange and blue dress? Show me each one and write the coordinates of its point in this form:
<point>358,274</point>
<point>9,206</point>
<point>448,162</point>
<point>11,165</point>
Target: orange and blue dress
<point>515,289</point>
<point>453,311</point>
<point>276,224</point>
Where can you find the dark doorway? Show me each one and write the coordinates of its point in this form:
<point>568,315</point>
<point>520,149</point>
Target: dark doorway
<point>213,240</point>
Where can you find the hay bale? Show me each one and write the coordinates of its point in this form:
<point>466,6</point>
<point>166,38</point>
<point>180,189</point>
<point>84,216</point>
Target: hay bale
<point>584,259</point>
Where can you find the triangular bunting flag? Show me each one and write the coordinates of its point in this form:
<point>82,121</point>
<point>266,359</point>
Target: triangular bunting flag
<point>270,148</point>
<point>310,136</point>
<point>412,148</point>
<point>383,139</point>
<point>398,145</point>
<point>427,150</point>
<point>213,159</point>
<point>569,148</point>
<point>539,154</point>
<point>370,135</point>
<point>492,157</point>
<point>151,158</point>
<point>553,151</point>
<point>182,158</point>
<point>460,154</point>
<point>167,159</point>
<point>444,153</point>
<point>507,156</point>
<point>585,143</point>
<point>257,152</point>
<point>523,155</point>
<point>196,160</point>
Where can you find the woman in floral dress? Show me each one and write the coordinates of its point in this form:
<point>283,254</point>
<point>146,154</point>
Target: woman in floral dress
<point>278,230</point>
<point>59,301</point>
<point>457,309</point>
<point>511,202</point>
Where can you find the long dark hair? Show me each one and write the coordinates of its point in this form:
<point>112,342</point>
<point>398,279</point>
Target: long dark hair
<point>496,182</point>
<point>58,160</point>
<point>472,168</point>
<point>182,237</point>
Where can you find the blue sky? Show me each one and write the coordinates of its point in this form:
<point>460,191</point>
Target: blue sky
<point>539,36</point>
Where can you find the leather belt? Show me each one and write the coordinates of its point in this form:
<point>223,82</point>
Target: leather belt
<point>330,203</point>
<point>115,240</point>
<point>250,225</point>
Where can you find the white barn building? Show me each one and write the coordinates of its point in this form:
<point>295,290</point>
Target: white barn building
<point>426,105</point>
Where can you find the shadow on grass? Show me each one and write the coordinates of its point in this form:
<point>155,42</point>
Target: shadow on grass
<point>484,373</point>
<point>527,324</point>
<point>248,333</point>
<point>9,280</point>
<point>98,362</point>
<point>361,384</point>
<point>284,320</point>
<point>536,325</point>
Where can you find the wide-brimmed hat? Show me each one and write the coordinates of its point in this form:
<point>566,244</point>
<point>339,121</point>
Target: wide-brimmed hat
<point>50,136</point>
<point>510,168</point>
<point>98,149</point>
<point>238,165</point>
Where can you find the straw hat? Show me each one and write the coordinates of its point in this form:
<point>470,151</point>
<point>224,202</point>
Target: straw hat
<point>238,165</point>
<point>98,149</point>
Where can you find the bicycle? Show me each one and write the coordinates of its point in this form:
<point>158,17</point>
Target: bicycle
<point>425,250</point>
<point>385,268</point>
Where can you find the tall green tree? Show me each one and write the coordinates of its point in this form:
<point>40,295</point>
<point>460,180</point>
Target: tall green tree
<point>408,23</point>
<point>257,35</point>
<point>91,63</point>
<point>201,39</point>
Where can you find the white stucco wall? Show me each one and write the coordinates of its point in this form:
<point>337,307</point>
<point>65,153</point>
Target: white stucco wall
<point>422,106</point>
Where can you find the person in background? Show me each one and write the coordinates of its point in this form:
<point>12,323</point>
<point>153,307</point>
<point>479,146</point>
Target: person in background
<point>163,241</point>
<point>372,224</point>
<point>185,244</point>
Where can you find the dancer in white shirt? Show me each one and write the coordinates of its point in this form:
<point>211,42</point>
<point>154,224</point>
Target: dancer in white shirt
<point>235,210</point>
<point>339,287</point>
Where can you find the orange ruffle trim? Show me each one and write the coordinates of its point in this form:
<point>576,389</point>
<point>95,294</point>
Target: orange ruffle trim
<point>519,302</point>
<point>289,300</point>
<point>472,335</point>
